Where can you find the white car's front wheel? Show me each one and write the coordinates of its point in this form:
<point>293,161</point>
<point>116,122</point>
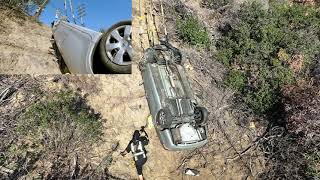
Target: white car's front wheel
<point>163,119</point>
<point>116,48</point>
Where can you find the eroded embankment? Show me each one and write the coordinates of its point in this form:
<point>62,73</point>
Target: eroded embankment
<point>25,46</point>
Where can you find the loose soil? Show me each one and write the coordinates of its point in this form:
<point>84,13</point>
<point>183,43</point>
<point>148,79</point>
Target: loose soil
<point>25,45</point>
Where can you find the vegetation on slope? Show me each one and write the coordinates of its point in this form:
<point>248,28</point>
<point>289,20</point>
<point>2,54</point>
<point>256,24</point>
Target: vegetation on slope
<point>265,50</point>
<point>49,135</point>
<point>192,32</point>
<point>31,7</point>
<point>269,53</point>
<point>295,154</point>
<point>215,4</point>
<point>272,57</point>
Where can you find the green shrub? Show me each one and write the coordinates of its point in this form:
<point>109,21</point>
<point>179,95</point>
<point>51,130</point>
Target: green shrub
<point>28,6</point>
<point>54,113</point>
<point>52,131</point>
<point>313,164</point>
<point>192,31</point>
<point>235,80</point>
<point>262,99</point>
<point>214,4</point>
<point>60,124</point>
<point>263,44</point>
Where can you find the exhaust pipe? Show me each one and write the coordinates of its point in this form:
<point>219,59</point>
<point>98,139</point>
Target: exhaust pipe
<point>84,51</point>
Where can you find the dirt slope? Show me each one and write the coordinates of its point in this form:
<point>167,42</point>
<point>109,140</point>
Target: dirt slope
<point>119,98</point>
<point>126,109</point>
<point>25,45</point>
<point>121,102</point>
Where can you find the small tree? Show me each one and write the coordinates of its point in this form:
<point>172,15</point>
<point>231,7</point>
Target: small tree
<point>29,6</point>
<point>41,8</point>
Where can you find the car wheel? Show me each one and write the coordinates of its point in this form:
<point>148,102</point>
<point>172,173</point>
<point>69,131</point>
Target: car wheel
<point>163,119</point>
<point>175,52</point>
<point>116,48</point>
<point>150,56</point>
<point>200,115</point>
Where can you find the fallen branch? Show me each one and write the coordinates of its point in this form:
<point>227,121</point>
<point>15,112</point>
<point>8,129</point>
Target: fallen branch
<point>5,94</point>
<point>4,170</point>
<point>262,139</point>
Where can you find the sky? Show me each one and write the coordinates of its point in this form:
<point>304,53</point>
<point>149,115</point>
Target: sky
<point>99,13</point>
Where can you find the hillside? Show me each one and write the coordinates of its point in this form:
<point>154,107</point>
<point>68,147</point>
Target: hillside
<point>247,62</point>
<point>227,137</point>
<point>25,45</point>
<point>121,104</point>
<point>118,99</point>
<point>121,113</point>
<point>262,95</point>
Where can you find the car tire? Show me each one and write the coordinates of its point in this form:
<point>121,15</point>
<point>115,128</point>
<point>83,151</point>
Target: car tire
<point>150,56</point>
<point>201,115</point>
<point>163,119</point>
<point>109,54</point>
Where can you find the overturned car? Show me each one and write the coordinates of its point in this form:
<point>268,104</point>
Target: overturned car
<point>179,120</point>
<point>83,51</point>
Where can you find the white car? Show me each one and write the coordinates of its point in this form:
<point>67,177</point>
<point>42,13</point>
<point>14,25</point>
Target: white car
<point>180,121</point>
<point>83,51</point>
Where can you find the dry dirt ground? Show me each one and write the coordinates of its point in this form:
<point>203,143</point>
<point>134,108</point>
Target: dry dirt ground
<point>25,45</point>
<point>122,102</point>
